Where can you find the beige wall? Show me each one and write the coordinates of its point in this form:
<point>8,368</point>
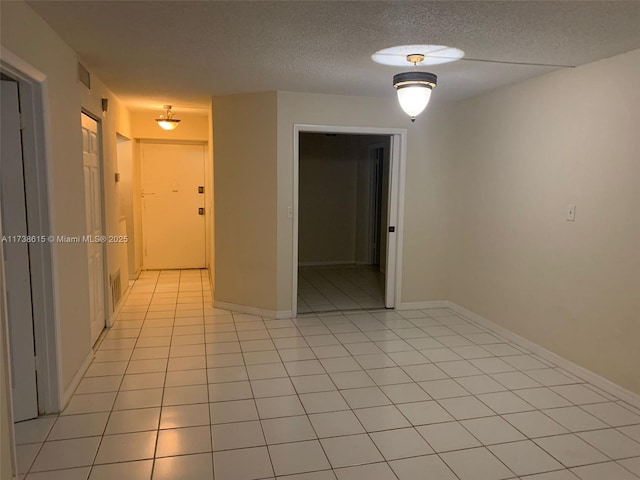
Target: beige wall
<point>427,152</point>
<point>26,35</point>
<point>244,136</point>
<point>193,127</point>
<point>522,155</point>
<point>328,188</point>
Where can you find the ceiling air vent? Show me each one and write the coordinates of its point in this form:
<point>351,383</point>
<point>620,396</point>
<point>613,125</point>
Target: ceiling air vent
<point>84,76</point>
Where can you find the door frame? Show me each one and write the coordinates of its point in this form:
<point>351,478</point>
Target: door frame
<point>397,170</point>
<point>37,163</point>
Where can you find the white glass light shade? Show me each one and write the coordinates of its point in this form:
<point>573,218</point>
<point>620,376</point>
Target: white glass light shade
<point>414,99</point>
<point>167,124</point>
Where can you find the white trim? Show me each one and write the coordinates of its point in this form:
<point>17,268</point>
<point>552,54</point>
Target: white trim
<point>422,305</point>
<point>581,372</point>
<point>328,263</point>
<point>34,92</point>
<point>278,314</point>
<point>396,192</point>
<point>69,391</point>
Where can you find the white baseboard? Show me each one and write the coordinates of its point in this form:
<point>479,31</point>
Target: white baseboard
<point>580,372</point>
<point>253,310</point>
<point>327,263</point>
<point>68,392</point>
<point>422,305</point>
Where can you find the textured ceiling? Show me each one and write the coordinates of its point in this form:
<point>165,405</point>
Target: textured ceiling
<point>182,52</point>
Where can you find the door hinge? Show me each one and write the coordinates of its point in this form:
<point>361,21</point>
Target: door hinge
<point>201,211</point>
<point>392,229</point>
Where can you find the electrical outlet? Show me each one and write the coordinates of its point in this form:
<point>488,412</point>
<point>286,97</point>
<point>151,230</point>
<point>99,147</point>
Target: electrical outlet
<point>571,213</point>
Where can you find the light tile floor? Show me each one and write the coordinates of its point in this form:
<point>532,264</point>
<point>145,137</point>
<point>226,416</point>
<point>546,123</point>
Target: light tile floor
<point>340,288</point>
<point>180,390</point>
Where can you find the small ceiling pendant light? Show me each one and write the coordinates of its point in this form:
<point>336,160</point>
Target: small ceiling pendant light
<point>414,88</point>
<point>166,121</point>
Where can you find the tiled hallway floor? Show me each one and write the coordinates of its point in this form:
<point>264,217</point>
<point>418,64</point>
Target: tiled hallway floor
<point>339,287</point>
<point>179,390</point>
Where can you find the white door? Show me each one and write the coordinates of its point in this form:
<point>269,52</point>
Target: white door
<point>16,254</point>
<point>392,215</point>
<point>173,205</point>
<point>93,212</point>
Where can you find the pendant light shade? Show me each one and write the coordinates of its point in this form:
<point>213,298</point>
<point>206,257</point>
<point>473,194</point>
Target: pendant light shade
<point>166,121</point>
<point>414,91</point>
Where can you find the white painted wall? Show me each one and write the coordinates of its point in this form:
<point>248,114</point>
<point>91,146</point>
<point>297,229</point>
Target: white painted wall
<point>522,154</point>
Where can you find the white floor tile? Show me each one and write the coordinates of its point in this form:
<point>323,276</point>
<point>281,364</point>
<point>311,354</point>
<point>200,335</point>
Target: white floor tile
<point>535,424</point>
<point>601,471</point>
<point>445,437</point>
<point>181,416</point>
<point>273,407</point>
<point>138,470</point>
<point>381,418</point>
<point>229,436</point>
<point>242,464</point>
<point>424,413</point>
<point>492,430</point>
<point>191,467</point>
<point>66,454</point>
<point>419,381</point>
<point>33,431</point>
<point>402,443</point>
<point>570,450</point>
<point>298,457</point>
<point>372,471</point>
<point>476,464</point>
<point>612,443</point>
<point>413,468</point>
<point>351,450</point>
<point>525,458</point>
<point>288,429</point>
<point>126,447</point>
<point>81,473</point>
<point>75,426</point>
<point>462,408</point>
<point>182,441</point>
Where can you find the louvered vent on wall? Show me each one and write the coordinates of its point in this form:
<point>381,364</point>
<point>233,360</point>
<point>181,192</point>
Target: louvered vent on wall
<point>84,76</point>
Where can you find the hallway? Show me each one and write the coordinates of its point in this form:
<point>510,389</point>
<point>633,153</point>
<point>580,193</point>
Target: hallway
<point>179,389</point>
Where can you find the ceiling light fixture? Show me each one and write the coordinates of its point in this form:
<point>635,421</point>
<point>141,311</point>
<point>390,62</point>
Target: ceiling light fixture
<point>414,88</point>
<point>166,121</point>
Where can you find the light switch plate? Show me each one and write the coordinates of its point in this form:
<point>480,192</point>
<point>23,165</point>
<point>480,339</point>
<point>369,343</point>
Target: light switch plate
<point>571,213</point>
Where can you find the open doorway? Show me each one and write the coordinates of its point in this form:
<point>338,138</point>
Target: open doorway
<point>346,218</point>
<point>343,196</point>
